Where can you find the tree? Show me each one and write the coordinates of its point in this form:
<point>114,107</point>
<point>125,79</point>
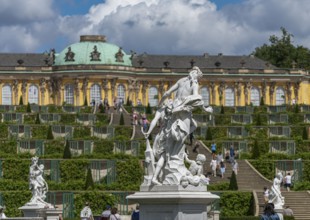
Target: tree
<point>233,185</point>
<point>28,107</point>
<point>258,120</point>
<point>50,135</point>
<point>262,103</point>
<point>222,109</point>
<point>21,102</point>
<point>89,183</point>
<point>67,152</point>
<point>255,151</point>
<point>282,53</point>
<point>121,120</point>
<point>148,109</point>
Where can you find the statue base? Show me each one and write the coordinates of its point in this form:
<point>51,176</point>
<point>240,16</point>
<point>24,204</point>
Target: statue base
<point>173,202</point>
<point>40,211</point>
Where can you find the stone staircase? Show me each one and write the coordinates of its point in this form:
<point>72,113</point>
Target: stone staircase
<point>249,179</point>
<point>298,201</point>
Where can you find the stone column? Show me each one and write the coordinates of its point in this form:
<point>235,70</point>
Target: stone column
<point>247,87</point>
<point>137,90</point>
<point>42,91</point>
<point>264,90</point>
<point>296,90</point>
<point>105,86</point>
<point>84,89</point>
<point>24,91</point>
<point>77,92</point>
<point>145,86</point>
<point>237,86</point>
<point>288,92</point>
<point>15,91</point>
<point>212,99</point>
<point>113,84</point>
<point>272,86</point>
<point>131,89</point>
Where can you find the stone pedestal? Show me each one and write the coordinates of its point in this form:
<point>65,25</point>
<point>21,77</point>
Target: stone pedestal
<point>36,211</point>
<point>173,202</point>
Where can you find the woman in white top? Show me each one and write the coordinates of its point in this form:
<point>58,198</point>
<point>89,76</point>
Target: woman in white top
<point>288,181</point>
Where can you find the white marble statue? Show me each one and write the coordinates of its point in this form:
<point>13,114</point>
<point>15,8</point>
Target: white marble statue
<point>168,151</point>
<point>37,184</point>
<point>275,195</point>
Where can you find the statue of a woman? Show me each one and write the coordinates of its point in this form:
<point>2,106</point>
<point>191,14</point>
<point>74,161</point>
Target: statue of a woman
<point>275,196</point>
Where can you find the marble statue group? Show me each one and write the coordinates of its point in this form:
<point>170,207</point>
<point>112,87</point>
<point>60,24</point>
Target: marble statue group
<point>165,159</point>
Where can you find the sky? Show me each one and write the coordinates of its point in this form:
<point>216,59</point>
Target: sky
<point>172,27</point>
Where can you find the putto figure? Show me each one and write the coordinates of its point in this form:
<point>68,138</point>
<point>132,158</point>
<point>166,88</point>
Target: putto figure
<point>177,124</point>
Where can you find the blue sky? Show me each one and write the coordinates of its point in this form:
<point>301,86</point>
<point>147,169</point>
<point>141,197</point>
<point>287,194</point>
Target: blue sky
<point>231,27</point>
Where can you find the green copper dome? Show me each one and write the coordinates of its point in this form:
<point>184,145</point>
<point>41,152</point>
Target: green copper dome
<point>93,49</point>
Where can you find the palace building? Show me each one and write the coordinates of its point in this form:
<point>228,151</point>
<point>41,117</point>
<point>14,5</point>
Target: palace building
<point>94,69</point>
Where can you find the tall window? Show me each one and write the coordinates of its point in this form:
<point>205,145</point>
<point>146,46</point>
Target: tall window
<point>69,94</point>
<point>205,95</point>
<point>153,96</point>
<point>280,96</point>
<point>255,97</point>
<point>95,93</point>
<point>6,95</point>
<point>121,92</point>
<point>229,97</point>
<point>33,94</point>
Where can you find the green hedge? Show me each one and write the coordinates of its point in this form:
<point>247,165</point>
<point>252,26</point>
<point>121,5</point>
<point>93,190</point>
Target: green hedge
<point>236,204</point>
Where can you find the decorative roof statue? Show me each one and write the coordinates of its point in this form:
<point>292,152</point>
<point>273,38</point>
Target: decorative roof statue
<point>69,55</point>
<point>168,147</point>
<point>95,55</point>
<point>119,56</point>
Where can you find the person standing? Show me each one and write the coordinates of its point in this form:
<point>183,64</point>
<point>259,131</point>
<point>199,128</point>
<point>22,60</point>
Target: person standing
<point>222,168</point>
<point>136,213</point>
<point>231,153</point>
<point>266,195</point>
<point>105,215</point>
<point>213,166</point>
<point>235,167</point>
<point>213,148</point>
<point>86,213</point>
<point>114,215</point>
<point>288,181</point>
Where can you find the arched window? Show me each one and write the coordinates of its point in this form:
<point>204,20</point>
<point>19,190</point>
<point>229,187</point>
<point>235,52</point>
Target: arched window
<point>204,91</point>
<point>255,97</point>
<point>229,97</point>
<point>95,93</point>
<point>6,95</point>
<point>280,96</point>
<point>69,94</point>
<point>153,96</point>
<point>33,94</point>
<point>121,92</point>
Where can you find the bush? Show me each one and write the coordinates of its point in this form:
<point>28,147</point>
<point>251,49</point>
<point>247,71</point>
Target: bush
<point>209,134</point>
<point>50,135</point>
<point>255,151</point>
<point>28,107</point>
<point>89,183</point>
<point>236,204</point>
<point>67,152</point>
<point>21,102</point>
<point>37,119</point>
<point>305,134</point>
<point>262,102</point>
<point>233,185</point>
<point>121,120</point>
<point>148,109</point>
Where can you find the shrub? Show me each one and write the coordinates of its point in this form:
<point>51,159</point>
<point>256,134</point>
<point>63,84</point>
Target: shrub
<point>233,185</point>
<point>50,135</point>
<point>236,204</point>
<point>148,109</point>
<point>255,151</point>
<point>21,102</point>
<point>37,119</point>
<point>222,109</point>
<point>121,120</point>
<point>28,107</point>
<point>89,183</point>
<point>209,134</point>
<point>305,134</point>
<point>262,102</point>
<point>85,101</point>
<point>67,152</point>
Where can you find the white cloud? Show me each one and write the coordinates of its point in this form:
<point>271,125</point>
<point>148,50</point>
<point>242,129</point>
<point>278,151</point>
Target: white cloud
<point>158,26</point>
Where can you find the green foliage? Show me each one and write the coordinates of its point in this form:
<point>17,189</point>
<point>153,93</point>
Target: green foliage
<point>282,53</point>
<point>236,204</point>
<point>15,199</point>
<point>4,131</point>
<point>9,146</point>
<point>125,131</point>
<point>262,102</point>
<point>209,134</point>
<point>258,120</point>
<point>102,119</point>
<point>233,185</point>
<point>121,120</point>
<point>129,174</point>
<point>148,109</point>
<point>219,132</point>
<point>222,109</point>
<point>301,186</point>
<point>50,135</point>
<point>28,108</point>
<point>305,133</point>
<point>222,119</point>
<point>68,118</point>
<point>265,167</point>
<point>39,131</point>
<point>85,101</point>
<point>73,170</point>
<point>295,118</point>
<point>54,147</point>
<point>221,186</point>
<point>54,109</point>
<point>16,169</point>
<point>37,119</point>
<point>81,132</point>
<point>128,102</point>
<point>67,152</point>
<point>103,146</point>
<point>255,150</point>
<point>296,108</point>
<point>21,102</point>
<point>89,182</point>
